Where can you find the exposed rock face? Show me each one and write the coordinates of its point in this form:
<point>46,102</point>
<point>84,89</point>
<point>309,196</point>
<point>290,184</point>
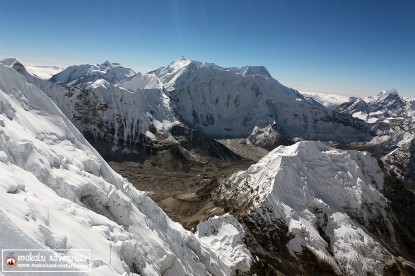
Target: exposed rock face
<point>400,160</point>
<point>267,138</point>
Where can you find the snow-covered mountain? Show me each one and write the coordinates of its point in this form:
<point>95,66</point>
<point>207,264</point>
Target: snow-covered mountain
<point>136,115</point>
<point>130,124</point>
<point>219,102</point>
<point>400,155</point>
<point>141,81</point>
<point>56,192</point>
<point>87,73</point>
<point>103,111</point>
<point>305,208</point>
<point>232,102</point>
<point>397,153</point>
<point>224,102</point>
<point>387,104</point>
<point>313,209</point>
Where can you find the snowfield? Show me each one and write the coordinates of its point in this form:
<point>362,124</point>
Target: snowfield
<point>56,192</point>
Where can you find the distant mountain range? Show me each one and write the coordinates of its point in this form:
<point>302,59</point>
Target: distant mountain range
<point>108,102</point>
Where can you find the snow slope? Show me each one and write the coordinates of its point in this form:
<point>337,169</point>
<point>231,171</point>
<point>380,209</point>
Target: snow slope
<point>226,235</point>
<point>56,192</point>
<point>231,102</point>
<point>327,199</point>
<point>141,81</point>
<point>87,73</point>
<point>401,159</point>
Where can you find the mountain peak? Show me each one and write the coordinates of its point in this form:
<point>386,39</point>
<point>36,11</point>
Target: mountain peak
<point>15,64</point>
<point>106,63</point>
<point>392,91</point>
<point>255,70</point>
<point>387,98</point>
<point>179,63</point>
<point>87,73</point>
<point>9,61</point>
<point>181,58</point>
<point>110,64</point>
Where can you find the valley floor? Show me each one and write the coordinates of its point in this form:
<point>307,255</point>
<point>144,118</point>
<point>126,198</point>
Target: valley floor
<point>184,195</point>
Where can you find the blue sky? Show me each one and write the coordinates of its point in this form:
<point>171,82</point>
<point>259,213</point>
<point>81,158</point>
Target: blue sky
<point>333,46</point>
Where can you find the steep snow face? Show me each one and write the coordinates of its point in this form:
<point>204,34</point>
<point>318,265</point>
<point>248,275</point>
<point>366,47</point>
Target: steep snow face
<point>128,114</point>
<point>231,102</point>
<point>219,102</point>
<point>56,192</point>
<point>255,70</point>
<point>141,81</point>
<point>402,160</point>
<point>387,99</point>
<point>317,192</point>
<point>225,235</point>
<point>108,112</point>
<point>86,73</point>
<point>398,154</point>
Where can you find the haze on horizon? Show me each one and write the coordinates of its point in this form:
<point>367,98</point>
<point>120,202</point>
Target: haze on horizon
<point>354,48</point>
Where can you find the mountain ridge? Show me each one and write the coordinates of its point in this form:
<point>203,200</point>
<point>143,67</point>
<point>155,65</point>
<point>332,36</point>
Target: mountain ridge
<point>86,73</point>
